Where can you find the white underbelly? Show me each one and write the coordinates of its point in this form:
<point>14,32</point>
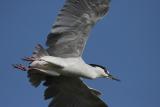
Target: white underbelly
<point>73,67</point>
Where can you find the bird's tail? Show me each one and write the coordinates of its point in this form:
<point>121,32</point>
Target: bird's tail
<point>35,77</point>
<point>37,54</point>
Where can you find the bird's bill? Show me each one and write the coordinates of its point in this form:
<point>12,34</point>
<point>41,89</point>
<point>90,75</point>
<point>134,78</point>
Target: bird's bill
<point>113,78</point>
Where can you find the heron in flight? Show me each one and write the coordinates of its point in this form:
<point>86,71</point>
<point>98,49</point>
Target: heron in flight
<point>60,67</point>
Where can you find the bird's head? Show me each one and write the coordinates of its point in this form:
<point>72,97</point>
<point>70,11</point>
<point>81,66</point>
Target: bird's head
<point>103,72</point>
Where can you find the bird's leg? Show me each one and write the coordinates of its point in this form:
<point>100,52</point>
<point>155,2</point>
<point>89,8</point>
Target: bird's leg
<point>20,67</point>
<point>29,59</point>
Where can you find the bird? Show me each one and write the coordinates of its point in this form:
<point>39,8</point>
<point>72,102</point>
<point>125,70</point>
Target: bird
<point>60,67</point>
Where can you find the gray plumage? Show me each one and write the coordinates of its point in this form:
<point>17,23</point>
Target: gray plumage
<point>65,91</point>
<point>67,39</point>
<point>74,22</point>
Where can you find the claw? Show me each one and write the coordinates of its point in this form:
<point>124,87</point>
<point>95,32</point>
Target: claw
<point>20,67</point>
<point>29,59</point>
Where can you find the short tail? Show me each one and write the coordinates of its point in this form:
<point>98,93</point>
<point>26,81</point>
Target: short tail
<point>37,54</point>
<point>34,75</point>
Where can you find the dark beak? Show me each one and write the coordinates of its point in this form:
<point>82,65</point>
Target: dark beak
<point>113,78</point>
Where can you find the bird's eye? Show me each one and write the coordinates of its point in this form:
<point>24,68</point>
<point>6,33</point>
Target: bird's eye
<point>106,71</point>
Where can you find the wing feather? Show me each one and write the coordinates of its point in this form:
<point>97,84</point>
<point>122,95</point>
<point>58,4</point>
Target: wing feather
<point>74,22</point>
<point>70,92</point>
<point>66,91</point>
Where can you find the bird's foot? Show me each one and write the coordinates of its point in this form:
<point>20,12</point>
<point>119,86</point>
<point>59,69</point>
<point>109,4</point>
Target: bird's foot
<point>29,59</point>
<point>20,67</point>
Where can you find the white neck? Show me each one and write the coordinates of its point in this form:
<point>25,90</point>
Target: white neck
<point>92,72</point>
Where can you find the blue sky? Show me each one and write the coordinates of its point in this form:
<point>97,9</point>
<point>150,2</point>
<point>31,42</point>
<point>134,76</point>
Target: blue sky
<point>127,41</point>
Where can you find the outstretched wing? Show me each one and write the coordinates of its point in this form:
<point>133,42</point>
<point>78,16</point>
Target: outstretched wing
<point>70,92</point>
<point>70,31</point>
<point>66,91</point>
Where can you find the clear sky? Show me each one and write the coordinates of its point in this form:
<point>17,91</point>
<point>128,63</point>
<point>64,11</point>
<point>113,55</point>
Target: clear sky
<point>127,41</point>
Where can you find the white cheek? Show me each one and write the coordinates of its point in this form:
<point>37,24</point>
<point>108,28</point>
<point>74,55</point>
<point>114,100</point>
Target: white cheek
<point>100,69</point>
<point>97,68</point>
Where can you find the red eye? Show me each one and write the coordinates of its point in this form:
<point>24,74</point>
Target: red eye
<point>106,71</point>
